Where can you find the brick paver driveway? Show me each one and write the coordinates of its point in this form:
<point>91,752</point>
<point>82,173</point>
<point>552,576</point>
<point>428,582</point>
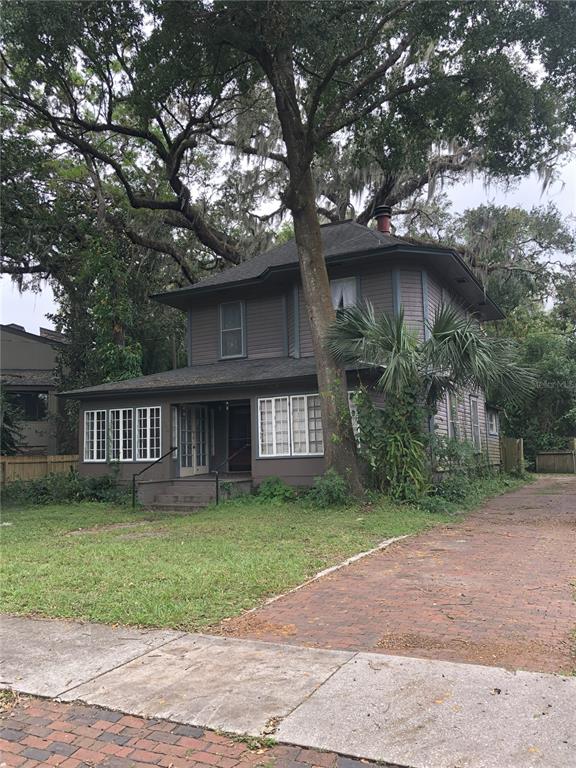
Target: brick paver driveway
<point>494,589</point>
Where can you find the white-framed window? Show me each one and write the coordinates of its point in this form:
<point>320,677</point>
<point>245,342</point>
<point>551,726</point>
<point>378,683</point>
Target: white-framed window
<point>274,426</point>
<point>121,433</point>
<point>292,425</point>
<point>493,423</point>
<point>453,421</point>
<point>306,421</point>
<point>475,423</point>
<point>344,292</point>
<point>148,434</point>
<point>95,436</point>
<point>232,329</point>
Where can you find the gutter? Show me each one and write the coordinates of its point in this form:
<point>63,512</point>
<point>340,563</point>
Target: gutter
<point>200,290</point>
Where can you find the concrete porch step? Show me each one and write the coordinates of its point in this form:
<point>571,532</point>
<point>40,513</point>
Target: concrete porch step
<point>183,507</point>
<point>187,498</point>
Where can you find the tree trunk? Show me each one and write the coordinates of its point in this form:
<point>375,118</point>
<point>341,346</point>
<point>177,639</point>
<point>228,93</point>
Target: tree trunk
<point>339,442</point>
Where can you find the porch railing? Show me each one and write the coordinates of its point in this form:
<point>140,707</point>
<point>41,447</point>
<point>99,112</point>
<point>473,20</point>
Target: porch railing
<point>216,472</point>
<point>137,474</point>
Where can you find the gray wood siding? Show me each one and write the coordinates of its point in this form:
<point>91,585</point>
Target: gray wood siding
<point>204,334</point>
<point>411,299</point>
<point>266,327</point>
<point>306,348</point>
<point>441,418</point>
<point>293,350</point>
<point>376,288</point>
<point>434,295</point>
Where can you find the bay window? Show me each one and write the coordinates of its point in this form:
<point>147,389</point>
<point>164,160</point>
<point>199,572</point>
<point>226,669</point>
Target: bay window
<point>95,436</point>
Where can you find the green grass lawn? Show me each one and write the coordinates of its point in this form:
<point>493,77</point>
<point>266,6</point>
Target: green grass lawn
<point>109,564</point>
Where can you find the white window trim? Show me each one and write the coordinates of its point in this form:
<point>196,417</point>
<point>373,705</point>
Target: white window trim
<point>477,446</point>
<point>452,399</point>
<point>308,452</point>
<point>122,412</point>
<point>274,455</point>
<point>489,416</point>
<point>148,409</point>
<point>291,454</point>
<point>86,414</point>
<point>241,328</point>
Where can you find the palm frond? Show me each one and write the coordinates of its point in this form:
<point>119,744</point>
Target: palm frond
<point>462,354</point>
<point>360,338</point>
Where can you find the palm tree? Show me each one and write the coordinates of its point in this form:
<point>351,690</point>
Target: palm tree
<point>456,354</point>
<point>415,374</point>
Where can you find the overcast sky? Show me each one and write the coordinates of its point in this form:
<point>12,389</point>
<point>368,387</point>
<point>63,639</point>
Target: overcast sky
<point>30,309</point>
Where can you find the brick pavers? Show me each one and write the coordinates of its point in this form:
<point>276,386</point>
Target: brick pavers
<point>76,736</point>
<point>494,589</point>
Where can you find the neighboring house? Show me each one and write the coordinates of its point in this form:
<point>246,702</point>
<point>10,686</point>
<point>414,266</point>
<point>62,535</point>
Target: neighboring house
<point>28,362</point>
<point>247,402</point>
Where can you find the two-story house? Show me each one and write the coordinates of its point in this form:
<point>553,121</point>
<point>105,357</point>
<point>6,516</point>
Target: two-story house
<point>28,377</point>
<point>247,403</point>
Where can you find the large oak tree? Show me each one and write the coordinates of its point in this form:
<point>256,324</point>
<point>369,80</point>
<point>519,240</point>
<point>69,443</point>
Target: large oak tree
<point>149,92</point>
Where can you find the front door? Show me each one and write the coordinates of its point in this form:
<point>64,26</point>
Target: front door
<point>239,431</point>
<point>193,440</point>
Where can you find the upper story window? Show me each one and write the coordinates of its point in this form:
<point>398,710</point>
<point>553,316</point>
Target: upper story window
<point>31,406</point>
<point>232,329</point>
<point>344,292</point>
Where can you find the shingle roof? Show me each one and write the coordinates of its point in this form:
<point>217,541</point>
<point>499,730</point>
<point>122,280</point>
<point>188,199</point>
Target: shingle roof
<point>341,242</point>
<point>345,237</point>
<point>229,373</point>
<point>27,378</point>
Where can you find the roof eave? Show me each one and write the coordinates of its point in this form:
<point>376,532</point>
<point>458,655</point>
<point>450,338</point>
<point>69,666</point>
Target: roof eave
<point>185,293</point>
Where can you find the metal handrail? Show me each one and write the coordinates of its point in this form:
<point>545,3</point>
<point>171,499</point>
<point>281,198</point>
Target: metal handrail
<point>216,472</point>
<point>137,474</point>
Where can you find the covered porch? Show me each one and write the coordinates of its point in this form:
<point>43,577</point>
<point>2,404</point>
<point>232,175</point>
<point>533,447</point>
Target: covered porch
<point>212,457</point>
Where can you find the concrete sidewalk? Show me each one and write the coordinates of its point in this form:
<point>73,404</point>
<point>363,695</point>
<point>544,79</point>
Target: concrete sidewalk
<point>409,712</point>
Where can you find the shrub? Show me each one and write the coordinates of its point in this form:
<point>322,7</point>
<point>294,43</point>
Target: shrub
<point>329,490</point>
<point>60,488</point>
<point>274,489</point>
<point>391,445</point>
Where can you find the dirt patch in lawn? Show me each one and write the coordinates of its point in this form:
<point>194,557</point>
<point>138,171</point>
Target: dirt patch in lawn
<point>108,528</point>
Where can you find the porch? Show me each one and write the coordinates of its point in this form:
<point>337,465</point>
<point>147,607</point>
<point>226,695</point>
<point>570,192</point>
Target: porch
<point>211,457</point>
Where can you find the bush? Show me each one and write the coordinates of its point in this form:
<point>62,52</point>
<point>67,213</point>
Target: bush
<point>70,487</point>
<point>274,489</point>
<point>329,490</point>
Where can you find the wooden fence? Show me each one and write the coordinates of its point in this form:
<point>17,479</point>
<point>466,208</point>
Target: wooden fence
<point>512,449</point>
<point>561,462</point>
<point>32,467</point>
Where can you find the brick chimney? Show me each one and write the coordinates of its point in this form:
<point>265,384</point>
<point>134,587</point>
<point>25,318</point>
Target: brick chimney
<point>383,216</point>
